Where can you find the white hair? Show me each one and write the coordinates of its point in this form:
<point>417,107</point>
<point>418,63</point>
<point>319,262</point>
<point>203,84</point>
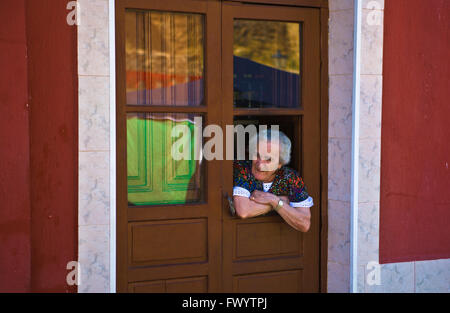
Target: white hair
<point>283,140</point>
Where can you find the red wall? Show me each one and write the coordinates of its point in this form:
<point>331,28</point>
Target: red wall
<point>39,167</point>
<point>415,144</point>
<point>14,150</point>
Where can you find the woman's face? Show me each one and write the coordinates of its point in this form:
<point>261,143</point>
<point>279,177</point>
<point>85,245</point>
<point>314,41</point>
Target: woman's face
<point>267,161</point>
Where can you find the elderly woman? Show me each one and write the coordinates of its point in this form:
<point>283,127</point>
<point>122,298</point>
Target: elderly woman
<point>266,183</point>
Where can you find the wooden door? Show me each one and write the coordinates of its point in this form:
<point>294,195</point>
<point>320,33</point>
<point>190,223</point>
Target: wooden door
<point>178,65</point>
<point>168,209</point>
<point>271,76</point>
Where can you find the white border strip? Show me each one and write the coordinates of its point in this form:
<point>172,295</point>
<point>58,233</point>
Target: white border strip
<point>355,146</point>
<point>112,147</point>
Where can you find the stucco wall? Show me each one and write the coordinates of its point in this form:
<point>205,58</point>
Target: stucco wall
<point>94,148</point>
<point>339,143</point>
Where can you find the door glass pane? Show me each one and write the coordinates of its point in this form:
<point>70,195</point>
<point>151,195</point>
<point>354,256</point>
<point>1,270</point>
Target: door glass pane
<point>162,158</point>
<point>164,58</point>
<point>266,58</point>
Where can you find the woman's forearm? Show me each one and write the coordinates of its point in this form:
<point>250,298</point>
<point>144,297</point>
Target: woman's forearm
<point>298,218</point>
<point>246,208</point>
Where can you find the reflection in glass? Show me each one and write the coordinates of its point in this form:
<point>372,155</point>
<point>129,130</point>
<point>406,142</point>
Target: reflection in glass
<point>154,175</point>
<point>266,58</point>
<point>164,58</point>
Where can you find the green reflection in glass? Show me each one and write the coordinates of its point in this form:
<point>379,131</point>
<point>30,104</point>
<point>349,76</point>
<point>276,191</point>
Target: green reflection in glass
<point>154,176</point>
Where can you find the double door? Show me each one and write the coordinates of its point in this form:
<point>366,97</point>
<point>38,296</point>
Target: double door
<point>185,70</point>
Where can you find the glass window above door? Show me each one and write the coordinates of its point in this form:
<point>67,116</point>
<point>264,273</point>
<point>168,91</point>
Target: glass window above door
<point>164,58</point>
<point>266,56</point>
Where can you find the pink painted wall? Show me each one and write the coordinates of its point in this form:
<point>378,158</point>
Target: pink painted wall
<point>415,149</point>
<point>38,146</point>
<point>15,212</point>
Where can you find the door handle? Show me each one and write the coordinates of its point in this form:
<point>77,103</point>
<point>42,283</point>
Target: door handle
<point>230,204</point>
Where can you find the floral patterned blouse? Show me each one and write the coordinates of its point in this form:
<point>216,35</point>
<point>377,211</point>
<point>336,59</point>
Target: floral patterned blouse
<point>287,182</point>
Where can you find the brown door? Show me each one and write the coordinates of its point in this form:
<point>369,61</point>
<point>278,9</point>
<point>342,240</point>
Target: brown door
<point>185,64</point>
<point>168,209</point>
<point>271,76</point>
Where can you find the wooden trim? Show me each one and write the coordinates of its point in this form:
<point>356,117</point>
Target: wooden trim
<point>260,12</point>
<point>271,111</point>
<point>227,174</point>
<point>213,94</point>
<point>190,6</point>
<point>155,213</point>
<point>165,109</point>
<point>121,199</point>
<point>298,3</point>
<point>324,105</point>
<point>311,143</point>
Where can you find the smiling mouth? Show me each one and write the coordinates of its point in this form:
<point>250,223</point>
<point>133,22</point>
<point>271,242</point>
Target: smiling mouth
<point>260,169</point>
<point>264,168</point>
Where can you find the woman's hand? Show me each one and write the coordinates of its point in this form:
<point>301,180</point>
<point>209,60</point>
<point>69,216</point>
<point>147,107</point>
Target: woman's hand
<point>264,198</point>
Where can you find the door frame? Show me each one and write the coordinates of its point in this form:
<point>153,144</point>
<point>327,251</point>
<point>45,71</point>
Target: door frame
<point>322,5</point>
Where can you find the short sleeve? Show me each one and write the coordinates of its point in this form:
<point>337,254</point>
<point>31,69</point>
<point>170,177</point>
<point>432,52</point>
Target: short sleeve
<point>241,185</point>
<point>298,195</point>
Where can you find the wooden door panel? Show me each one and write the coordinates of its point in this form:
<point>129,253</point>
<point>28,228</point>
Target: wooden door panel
<point>168,242</point>
<point>260,238</point>
<point>275,282</point>
<point>266,265</point>
<point>183,270</point>
<point>148,287</point>
<point>186,285</point>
